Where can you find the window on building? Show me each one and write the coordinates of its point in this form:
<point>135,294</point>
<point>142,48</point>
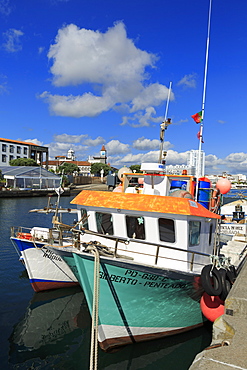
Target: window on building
<point>11,148</point>
<point>25,151</point>
<point>194,232</point>
<point>167,230</point>
<point>104,223</point>
<point>135,227</point>
<point>84,218</point>
<point>18,149</point>
<point>4,147</point>
<point>11,157</point>
<point>4,158</point>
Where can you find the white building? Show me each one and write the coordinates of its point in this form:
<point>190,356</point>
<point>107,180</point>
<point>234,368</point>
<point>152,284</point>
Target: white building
<point>14,149</point>
<point>195,165</point>
<point>102,158</point>
<point>84,166</point>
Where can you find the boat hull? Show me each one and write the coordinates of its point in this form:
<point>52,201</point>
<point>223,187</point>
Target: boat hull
<point>46,270</point>
<point>138,304</point>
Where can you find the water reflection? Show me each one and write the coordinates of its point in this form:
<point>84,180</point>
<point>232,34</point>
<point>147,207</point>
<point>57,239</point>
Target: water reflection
<point>52,318</point>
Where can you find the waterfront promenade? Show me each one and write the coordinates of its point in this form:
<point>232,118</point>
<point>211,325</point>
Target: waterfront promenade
<point>40,193</point>
<point>229,343</point>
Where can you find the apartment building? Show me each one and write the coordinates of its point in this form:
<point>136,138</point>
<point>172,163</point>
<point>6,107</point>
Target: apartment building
<point>13,149</point>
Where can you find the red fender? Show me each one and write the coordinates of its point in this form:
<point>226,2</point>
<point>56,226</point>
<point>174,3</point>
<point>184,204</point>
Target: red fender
<point>212,307</point>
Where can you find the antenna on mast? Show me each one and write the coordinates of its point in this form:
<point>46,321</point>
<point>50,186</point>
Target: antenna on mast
<point>204,94</point>
<point>166,122</point>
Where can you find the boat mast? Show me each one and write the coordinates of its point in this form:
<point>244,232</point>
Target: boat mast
<point>203,95</point>
<point>166,122</point>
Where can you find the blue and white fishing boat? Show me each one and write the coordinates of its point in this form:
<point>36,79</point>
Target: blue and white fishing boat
<point>45,269</point>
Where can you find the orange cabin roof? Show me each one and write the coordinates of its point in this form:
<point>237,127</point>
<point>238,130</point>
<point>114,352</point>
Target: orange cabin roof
<point>142,203</point>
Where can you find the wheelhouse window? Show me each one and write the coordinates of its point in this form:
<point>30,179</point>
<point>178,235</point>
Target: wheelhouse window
<point>210,234</point>
<point>167,230</point>
<point>104,223</point>
<point>84,218</point>
<point>135,227</point>
<point>194,232</point>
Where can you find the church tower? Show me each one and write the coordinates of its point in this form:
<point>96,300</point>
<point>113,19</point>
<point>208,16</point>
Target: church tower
<point>103,156</point>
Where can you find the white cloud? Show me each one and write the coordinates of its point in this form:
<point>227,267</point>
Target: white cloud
<point>65,138</point>
<point>35,141</point>
<point>146,144</point>
<point>153,94</point>
<point>142,119</point>
<point>188,81</point>
<point>113,68</point>
<point>116,147</point>
<point>94,142</point>
<point>77,106</point>
<point>12,40</point>
<point>58,148</point>
<point>3,84</point>
<point>82,55</point>
<point>41,49</point>
<point>236,157</point>
<point>5,7</point>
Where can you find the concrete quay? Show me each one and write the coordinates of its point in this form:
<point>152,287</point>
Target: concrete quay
<point>228,349</point>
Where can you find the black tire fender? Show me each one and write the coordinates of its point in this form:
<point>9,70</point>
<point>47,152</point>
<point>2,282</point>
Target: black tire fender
<point>211,280</point>
<point>225,282</point>
<point>231,273</point>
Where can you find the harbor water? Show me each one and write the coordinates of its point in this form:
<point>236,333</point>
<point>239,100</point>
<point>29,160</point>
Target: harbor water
<point>51,330</point>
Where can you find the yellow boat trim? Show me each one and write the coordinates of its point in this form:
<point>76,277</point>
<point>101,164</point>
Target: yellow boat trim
<point>142,203</point>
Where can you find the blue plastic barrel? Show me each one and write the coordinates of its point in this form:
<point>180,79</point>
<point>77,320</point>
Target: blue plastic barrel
<point>204,192</point>
<point>178,184</point>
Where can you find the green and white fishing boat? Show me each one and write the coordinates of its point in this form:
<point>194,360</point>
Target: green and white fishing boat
<point>140,255</point>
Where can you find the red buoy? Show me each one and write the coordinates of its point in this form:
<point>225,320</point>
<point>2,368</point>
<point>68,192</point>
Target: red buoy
<point>212,307</point>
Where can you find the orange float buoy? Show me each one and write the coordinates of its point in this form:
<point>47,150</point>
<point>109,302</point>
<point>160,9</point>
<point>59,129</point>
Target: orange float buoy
<point>224,185</point>
<point>212,307</point>
<point>24,236</point>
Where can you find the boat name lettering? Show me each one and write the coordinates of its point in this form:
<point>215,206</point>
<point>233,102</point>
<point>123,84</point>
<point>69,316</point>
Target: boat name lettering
<point>51,255</point>
<point>118,279</point>
<point>153,284</point>
<point>56,333</point>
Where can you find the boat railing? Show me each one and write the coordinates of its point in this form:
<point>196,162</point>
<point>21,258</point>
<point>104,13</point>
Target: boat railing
<point>191,261</point>
<point>44,235</point>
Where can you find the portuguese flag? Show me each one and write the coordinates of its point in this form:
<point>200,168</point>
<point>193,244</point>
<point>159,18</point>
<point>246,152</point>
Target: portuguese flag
<point>197,117</point>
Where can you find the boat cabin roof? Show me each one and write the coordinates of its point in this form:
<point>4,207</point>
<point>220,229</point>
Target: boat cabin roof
<point>142,203</point>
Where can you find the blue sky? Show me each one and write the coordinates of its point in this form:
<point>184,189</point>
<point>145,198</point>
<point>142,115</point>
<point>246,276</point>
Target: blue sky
<point>79,74</point>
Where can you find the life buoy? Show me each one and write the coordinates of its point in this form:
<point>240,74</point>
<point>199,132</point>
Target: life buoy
<point>211,280</point>
<point>26,236</point>
<point>215,201</point>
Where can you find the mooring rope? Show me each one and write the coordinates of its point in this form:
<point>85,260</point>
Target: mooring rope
<point>95,310</point>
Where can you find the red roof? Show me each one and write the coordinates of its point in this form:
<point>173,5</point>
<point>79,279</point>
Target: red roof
<point>59,163</point>
<point>18,142</point>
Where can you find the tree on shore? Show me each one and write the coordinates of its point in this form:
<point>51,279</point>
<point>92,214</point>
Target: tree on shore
<point>68,168</point>
<point>136,168</point>
<point>23,162</point>
<point>97,167</point>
